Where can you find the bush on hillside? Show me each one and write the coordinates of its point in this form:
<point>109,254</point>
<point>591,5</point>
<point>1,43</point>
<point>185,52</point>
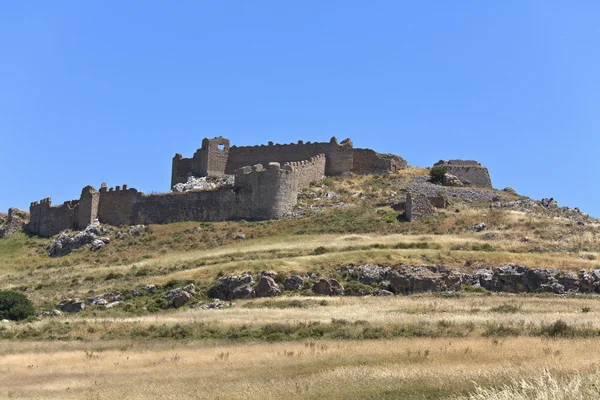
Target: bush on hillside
<point>437,174</point>
<point>15,306</point>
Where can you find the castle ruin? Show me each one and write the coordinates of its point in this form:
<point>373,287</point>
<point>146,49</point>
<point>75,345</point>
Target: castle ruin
<point>267,180</point>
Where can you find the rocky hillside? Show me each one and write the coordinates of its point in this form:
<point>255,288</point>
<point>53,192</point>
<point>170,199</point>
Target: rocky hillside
<point>346,236</point>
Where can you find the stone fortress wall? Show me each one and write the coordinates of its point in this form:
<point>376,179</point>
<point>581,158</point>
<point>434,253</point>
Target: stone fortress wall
<point>266,184</point>
<point>468,171</point>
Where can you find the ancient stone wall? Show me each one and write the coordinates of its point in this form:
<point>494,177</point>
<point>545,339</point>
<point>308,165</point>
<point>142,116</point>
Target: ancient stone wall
<point>468,171</point>
<point>308,171</point>
<point>208,160</point>
<point>338,156</point>
<point>88,206</point>
<point>417,206</point>
<point>47,220</point>
<point>116,205</point>
<point>367,161</point>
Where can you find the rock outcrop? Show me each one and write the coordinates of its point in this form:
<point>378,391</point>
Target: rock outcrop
<point>233,287</point>
<point>65,243</point>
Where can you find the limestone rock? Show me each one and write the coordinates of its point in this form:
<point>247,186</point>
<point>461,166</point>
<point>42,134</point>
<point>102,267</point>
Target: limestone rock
<point>71,305</point>
<point>267,287</point>
<point>64,243</point>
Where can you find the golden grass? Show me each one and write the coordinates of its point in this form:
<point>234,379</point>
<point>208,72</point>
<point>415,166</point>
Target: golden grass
<point>409,368</point>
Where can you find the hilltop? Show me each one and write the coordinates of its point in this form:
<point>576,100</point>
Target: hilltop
<point>321,288</point>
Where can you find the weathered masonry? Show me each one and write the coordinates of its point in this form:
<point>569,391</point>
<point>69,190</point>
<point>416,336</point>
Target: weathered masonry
<point>216,157</point>
<point>266,184</point>
<point>468,171</point>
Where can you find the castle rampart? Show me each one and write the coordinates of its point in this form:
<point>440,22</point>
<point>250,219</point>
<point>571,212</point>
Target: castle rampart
<point>267,179</point>
<point>468,171</point>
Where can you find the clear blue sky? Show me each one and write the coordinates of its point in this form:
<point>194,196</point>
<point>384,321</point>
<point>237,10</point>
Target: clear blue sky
<point>110,91</point>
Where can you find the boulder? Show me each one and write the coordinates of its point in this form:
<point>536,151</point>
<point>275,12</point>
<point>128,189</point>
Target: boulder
<point>327,287</point>
<point>509,190</point>
<point>71,305</point>
<point>480,227</point>
<point>267,287</point>
<point>233,287</point>
<point>451,180</point>
<point>293,282</point>
<point>382,292</point>
<point>178,297</point>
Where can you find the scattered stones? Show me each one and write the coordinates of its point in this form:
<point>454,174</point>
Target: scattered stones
<point>136,230</point>
<point>480,227</point>
<point>51,313</point>
<point>549,203</point>
<point>104,299</point>
<point>71,305</point>
<point>267,287</point>
<point>205,183</point>
<point>149,288</point>
<point>217,304</point>
<point>510,190</point>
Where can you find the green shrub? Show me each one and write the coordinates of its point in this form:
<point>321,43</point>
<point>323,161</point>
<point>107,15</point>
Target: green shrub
<point>557,329</point>
<point>437,174</point>
<point>15,306</point>
<point>320,250</point>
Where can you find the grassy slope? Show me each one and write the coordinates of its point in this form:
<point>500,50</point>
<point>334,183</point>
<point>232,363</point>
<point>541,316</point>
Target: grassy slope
<point>214,353</point>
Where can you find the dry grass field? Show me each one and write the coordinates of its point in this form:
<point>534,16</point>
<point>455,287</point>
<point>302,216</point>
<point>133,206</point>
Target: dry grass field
<point>464,345</point>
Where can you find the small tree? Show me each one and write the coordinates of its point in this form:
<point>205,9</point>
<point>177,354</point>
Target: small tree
<point>437,174</point>
<point>15,306</point>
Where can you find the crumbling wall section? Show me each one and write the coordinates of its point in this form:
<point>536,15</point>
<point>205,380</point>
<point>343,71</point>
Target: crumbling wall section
<point>470,172</point>
<point>338,155</point>
<point>258,193</point>
<point>367,161</point>
<point>88,206</point>
<point>307,171</point>
<point>417,206</point>
<point>208,160</point>
<point>47,220</point>
<point>116,205</point>
<point>180,170</point>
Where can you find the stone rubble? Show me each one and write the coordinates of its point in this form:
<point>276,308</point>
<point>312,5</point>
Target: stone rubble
<point>65,243</point>
<point>204,183</point>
